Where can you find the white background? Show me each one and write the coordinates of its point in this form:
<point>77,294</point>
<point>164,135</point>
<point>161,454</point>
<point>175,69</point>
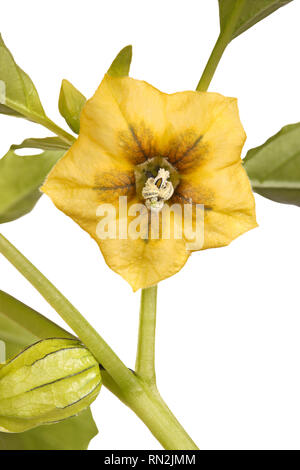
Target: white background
<point>228,344</point>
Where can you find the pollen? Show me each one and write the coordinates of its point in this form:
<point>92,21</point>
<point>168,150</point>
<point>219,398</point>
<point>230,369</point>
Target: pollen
<point>158,190</point>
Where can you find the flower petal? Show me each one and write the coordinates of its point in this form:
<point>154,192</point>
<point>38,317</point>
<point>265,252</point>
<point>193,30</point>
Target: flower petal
<point>228,199</point>
<point>85,178</point>
<point>126,117</point>
<point>143,263</point>
<point>204,131</point>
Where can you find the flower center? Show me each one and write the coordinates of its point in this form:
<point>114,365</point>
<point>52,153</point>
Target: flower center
<point>158,190</point>
<point>156,180</point>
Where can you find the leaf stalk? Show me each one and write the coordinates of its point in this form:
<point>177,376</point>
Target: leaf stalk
<point>223,40</point>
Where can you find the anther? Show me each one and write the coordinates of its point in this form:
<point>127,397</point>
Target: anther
<point>158,190</point>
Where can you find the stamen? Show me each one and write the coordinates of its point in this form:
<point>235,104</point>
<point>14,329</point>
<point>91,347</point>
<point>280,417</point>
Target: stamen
<point>158,190</point>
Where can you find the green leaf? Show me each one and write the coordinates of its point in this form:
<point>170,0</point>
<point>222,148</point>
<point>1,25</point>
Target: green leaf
<point>71,434</point>
<point>22,176</point>
<point>15,336</point>
<point>70,104</point>
<point>274,167</point>
<point>121,65</point>
<point>20,326</point>
<point>32,324</point>
<point>253,12</point>
<point>18,93</point>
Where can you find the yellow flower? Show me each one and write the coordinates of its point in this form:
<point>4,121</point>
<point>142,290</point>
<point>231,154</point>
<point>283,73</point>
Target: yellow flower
<point>156,149</point>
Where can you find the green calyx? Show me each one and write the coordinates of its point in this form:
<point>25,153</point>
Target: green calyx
<point>49,381</point>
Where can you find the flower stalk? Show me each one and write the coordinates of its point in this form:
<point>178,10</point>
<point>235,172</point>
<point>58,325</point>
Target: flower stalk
<point>145,359</point>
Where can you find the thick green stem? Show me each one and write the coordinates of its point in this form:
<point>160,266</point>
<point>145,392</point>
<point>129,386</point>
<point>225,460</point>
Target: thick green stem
<point>155,414</point>
<point>153,411</point>
<point>145,358</point>
<point>220,46</point>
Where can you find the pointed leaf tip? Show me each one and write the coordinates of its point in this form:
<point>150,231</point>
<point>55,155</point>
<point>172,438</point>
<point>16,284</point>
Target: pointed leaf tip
<point>121,65</point>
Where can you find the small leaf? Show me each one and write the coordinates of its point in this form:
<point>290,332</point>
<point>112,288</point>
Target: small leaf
<point>253,12</point>
<point>22,176</point>
<point>121,65</point>
<point>18,93</point>
<point>274,167</point>
<point>70,104</point>
<point>21,326</point>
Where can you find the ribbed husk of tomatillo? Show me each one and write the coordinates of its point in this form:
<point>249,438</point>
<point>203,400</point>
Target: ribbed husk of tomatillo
<point>47,382</point>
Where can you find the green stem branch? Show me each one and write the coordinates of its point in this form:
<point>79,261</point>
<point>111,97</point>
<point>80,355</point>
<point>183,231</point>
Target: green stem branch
<point>153,411</point>
<point>68,138</point>
<point>43,121</point>
<point>145,359</point>
<point>220,46</point>
<point>128,387</point>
